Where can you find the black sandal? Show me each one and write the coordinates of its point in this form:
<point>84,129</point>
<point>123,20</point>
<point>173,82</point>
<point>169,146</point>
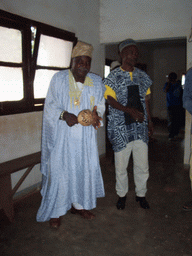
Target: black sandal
<point>188,206</point>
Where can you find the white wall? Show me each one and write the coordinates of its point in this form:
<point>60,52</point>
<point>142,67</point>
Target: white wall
<point>144,19</point>
<point>21,133</point>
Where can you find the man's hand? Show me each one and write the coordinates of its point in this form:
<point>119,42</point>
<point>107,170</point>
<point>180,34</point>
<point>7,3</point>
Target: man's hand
<point>96,119</point>
<point>136,114</point>
<point>70,119</point>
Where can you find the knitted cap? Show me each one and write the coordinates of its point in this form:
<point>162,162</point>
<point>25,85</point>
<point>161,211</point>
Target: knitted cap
<point>127,42</point>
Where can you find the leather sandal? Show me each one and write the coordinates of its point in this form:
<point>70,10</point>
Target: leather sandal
<point>187,206</point>
<point>83,213</point>
<point>55,223</point>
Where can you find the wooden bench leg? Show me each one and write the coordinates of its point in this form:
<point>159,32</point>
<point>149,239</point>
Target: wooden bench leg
<point>6,200</point>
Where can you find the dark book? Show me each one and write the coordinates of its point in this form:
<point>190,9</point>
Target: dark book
<point>133,101</point>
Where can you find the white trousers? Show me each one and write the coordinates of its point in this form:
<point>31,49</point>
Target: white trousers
<point>139,150</point>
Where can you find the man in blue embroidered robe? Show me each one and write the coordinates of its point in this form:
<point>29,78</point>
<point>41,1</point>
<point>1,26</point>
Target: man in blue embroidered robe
<point>70,166</point>
<point>127,93</point>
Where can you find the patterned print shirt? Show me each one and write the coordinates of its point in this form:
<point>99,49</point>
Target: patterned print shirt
<point>117,84</point>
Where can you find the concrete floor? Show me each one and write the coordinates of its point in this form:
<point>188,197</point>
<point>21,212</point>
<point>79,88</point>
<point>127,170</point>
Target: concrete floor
<point>165,229</point>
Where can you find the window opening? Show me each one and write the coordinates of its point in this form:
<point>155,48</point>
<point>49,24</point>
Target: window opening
<point>106,70</point>
<point>11,86</point>
<point>30,54</point>
<point>49,56</point>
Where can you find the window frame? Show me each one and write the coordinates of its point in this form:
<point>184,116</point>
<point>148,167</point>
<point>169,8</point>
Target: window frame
<point>29,62</point>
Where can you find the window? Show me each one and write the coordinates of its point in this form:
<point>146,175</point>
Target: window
<point>11,53</point>
<point>106,71</point>
<point>49,55</point>
<point>107,67</point>
<point>30,54</point>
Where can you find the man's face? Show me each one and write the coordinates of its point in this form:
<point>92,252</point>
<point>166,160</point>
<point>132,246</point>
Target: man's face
<point>81,66</point>
<point>130,55</point>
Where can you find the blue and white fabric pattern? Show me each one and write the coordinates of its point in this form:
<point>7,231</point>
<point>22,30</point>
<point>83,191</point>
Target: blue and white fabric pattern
<point>119,133</point>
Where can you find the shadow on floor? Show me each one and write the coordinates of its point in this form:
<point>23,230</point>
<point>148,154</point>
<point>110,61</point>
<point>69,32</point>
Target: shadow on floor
<point>164,230</point>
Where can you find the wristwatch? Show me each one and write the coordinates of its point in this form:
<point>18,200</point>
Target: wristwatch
<point>62,114</point>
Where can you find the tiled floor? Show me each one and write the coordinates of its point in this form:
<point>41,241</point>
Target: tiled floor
<point>163,230</point>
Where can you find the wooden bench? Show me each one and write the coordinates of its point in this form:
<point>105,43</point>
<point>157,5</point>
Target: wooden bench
<point>6,169</point>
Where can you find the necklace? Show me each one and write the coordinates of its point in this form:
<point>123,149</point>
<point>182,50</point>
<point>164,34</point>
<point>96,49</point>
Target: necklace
<point>75,90</point>
<point>77,102</point>
<point>78,92</point>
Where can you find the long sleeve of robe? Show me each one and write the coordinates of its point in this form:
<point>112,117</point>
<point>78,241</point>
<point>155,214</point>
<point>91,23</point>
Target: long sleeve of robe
<point>70,160</point>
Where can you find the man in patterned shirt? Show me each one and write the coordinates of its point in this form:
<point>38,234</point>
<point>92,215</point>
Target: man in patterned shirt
<point>129,122</point>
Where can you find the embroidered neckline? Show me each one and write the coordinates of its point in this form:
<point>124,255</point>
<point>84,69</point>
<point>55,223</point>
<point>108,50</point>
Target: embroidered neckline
<point>74,92</point>
<point>127,71</point>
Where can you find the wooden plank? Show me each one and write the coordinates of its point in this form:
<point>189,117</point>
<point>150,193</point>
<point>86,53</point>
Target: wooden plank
<point>22,179</point>
<point>6,196</point>
<point>19,163</point>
